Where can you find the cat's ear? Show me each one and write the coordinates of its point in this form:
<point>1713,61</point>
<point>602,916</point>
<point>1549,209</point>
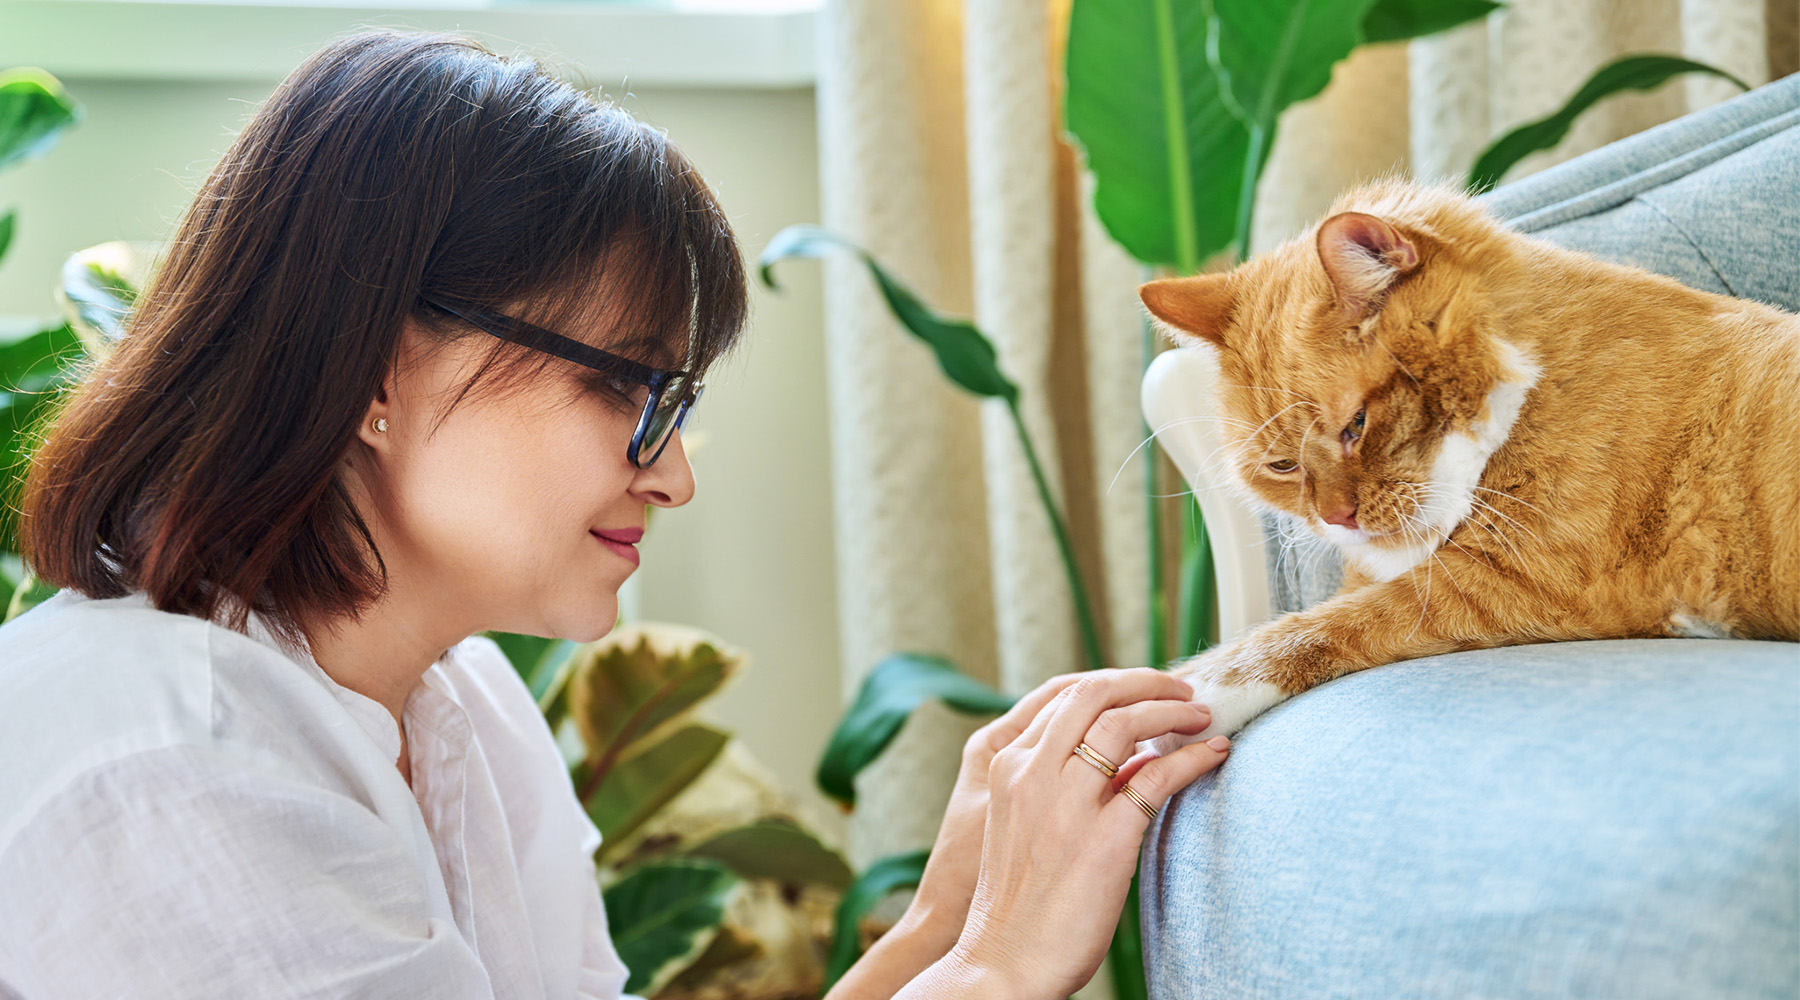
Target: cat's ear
<point>1363,257</point>
<point>1191,308</point>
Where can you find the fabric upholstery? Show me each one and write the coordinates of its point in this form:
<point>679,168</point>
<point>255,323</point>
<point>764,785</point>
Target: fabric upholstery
<point>1591,819</point>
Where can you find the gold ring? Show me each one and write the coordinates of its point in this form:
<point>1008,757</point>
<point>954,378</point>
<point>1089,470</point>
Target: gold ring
<point>1097,759</point>
<point>1142,803</point>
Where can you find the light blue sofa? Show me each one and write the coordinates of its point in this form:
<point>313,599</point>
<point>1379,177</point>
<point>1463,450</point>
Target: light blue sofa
<point>1589,819</point>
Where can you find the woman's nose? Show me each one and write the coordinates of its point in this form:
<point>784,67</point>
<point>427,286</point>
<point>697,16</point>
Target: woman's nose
<point>669,482</point>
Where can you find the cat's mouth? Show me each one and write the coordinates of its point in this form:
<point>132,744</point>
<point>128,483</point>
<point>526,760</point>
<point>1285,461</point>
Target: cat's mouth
<point>1361,536</point>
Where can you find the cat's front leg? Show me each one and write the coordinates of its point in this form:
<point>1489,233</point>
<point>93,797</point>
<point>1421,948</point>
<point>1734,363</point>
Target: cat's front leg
<point>1226,682</point>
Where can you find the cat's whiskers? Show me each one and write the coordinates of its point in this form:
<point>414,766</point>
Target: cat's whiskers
<point>1515,499</point>
<point>1487,524</point>
<point>1264,388</point>
<point>1397,362</point>
<point>1171,424</point>
<point>1484,505</point>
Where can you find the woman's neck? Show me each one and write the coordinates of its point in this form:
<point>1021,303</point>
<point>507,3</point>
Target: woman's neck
<point>382,653</point>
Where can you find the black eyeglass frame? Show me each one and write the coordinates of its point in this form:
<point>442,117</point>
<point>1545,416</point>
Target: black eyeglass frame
<point>517,331</point>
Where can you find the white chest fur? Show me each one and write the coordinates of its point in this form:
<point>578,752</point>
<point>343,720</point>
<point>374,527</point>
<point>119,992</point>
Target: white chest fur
<point>1455,473</point>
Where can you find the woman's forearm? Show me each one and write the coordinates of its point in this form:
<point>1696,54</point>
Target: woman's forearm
<point>901,955</point>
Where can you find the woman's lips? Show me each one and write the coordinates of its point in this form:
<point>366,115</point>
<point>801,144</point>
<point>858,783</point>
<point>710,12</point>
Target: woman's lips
<point>622,542</point>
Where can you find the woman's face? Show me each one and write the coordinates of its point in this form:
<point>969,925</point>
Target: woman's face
<point>490,516</point>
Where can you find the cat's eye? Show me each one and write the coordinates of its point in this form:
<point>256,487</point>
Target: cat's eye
<point>1355,430</point>
<point>1285,465</point>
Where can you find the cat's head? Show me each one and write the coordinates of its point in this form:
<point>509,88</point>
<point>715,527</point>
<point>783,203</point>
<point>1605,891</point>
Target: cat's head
<point>1362,383</point>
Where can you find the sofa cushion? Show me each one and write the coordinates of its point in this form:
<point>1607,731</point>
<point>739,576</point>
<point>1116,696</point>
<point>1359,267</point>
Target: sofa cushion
<point>1617,819</point>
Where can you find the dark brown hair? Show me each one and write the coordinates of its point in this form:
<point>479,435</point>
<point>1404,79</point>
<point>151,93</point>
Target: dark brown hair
<point>200,461</point>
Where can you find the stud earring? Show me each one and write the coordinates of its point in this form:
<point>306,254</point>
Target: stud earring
<point>380,425</point>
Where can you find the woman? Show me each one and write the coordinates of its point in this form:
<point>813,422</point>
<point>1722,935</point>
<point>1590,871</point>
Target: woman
<point>415,368</point>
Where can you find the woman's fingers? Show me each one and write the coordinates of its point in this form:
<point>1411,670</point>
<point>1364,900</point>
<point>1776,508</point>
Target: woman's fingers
<point>1160,778</point>
<point>1068,717</point>
<point>1007,727</point>
<point>1118,731</point>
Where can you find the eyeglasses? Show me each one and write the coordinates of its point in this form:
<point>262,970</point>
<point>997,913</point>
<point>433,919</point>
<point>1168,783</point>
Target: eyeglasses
<point>671,393</point>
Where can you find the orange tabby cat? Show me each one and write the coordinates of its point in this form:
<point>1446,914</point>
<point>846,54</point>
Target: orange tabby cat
<point>1509,442</point>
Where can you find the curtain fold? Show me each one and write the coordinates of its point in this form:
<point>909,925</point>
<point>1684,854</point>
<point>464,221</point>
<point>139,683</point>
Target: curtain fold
<point>939,133</point>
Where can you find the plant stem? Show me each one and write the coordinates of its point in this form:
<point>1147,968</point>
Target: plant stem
<point>1157,644</point>
<point>1253,160</point>
<point>1181,184</point>
<point>1127,949</point>
<point>1198,585</point>
<point>17,605</point>
<point>1084,612</point>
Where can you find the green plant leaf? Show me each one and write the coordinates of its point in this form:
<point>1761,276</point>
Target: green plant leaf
<point>1165,152</point>
<point>35,366</point>
<point>889,875</point>
<point>1267,55</point>
<point>776,849</point>
<point>34,110</point>
<point>6,230</point>
<point>1642,72</point>
<point>1199,585</point>
<point>536,660</point>
<point>1395,20</point>
<point>98,290</point>
<point>641,682</point>
<point>634,789</point>
<point>965,354</point>
<point>897,686</point>
<point>663,915</point>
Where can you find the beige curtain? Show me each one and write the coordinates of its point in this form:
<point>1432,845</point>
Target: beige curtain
<point>940,149</point>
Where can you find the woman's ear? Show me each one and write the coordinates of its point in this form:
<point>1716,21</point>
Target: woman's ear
<point>375,422</point>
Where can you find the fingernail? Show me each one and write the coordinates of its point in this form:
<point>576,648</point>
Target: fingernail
<point>1219,743</point>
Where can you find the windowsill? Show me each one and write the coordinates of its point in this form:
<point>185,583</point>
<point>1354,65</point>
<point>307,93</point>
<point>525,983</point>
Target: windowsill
<point>678,43</point>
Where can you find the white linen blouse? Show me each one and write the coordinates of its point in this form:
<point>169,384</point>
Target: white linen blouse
<point>190,812</point>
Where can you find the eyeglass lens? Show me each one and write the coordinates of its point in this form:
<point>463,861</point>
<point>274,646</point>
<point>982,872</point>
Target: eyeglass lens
<point>672,407</point>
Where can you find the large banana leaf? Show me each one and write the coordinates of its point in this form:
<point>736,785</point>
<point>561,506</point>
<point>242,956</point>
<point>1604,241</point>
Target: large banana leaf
<point>1166,154</point>
<point>663,915</point>
<point>1396,20</point>
<point>964,353</point>
<point>34,109</point>
<point>1627,73</point>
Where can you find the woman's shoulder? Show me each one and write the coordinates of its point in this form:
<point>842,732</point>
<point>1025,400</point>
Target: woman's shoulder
<point>75,662</point>
<point>85,683</point>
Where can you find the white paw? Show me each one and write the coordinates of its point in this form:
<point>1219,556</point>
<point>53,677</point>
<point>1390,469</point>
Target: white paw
<point>1233,707</point>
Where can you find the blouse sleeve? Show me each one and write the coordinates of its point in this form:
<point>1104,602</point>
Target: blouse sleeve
<point>185,873</point>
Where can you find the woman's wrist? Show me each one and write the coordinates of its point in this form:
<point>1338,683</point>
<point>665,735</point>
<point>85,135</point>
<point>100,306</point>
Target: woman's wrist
<point>960,974</point>
<point>934,925</point>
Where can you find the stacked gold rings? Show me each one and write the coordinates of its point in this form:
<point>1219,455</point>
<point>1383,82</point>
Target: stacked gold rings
<point>1111,770</point>
<point>1142,803</point>
<point>1095,758</point>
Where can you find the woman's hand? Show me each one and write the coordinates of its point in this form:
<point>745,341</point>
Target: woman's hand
<point>941,904</point>
<point>1061,842</point>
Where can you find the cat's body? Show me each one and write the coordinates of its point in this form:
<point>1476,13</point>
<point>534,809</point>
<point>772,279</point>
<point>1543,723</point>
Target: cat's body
<point>1509,442</point>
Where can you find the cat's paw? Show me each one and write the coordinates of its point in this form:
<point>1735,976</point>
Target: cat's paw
<point>1233,702</point>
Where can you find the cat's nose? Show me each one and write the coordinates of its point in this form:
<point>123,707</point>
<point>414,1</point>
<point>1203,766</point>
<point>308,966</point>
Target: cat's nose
<point>1345,516</point>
